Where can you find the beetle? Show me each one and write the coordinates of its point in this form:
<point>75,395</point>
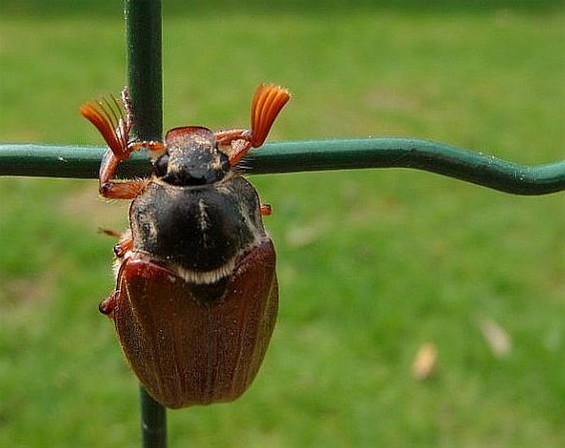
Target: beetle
<point>196,294</point>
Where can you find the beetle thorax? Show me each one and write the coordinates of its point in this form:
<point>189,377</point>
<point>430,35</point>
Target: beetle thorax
<point>197,231</point>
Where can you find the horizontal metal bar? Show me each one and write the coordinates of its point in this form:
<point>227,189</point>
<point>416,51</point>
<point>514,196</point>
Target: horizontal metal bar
<point>315,155</point>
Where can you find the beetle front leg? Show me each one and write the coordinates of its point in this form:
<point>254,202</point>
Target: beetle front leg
<point>117,190</point>
<point>125,189</point>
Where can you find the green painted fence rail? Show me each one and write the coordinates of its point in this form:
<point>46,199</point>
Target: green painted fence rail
<point>315,155</point>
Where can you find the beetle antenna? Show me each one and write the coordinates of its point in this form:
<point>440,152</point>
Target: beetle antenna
<point>266,105</point>
<point>109,120</point>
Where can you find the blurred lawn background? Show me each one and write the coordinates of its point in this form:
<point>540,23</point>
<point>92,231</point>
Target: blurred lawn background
<point>372,264</point>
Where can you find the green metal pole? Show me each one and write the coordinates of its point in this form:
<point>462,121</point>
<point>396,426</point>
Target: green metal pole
<point>145,79</point>
<point>315,155</point>
<point>145,82</point>
<point>153,421</point>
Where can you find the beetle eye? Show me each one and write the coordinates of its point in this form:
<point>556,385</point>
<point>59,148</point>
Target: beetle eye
<point>161,164</point>
<point>225,162</point>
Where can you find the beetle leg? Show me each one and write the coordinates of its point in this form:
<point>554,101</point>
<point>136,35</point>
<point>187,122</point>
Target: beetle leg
<point>123,190</point>
<point>151,145</point>
<point>266,209</point>
<point>124,245</point>
<point>108,305</point>
<point>129,122</point>
<point>117,190</point>
<point>128,107</point>
<point>109,232</point>
<point>129,189</point>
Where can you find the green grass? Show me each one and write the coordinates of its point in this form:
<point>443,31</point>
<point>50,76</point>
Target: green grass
<point>372,264</point>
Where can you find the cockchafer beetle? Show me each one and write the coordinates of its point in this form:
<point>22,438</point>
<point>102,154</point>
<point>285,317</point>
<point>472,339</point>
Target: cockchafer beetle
<point>196,295</point>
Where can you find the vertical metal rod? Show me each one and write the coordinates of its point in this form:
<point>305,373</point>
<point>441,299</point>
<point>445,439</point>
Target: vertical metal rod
<point>153,421</point>
<point>144,66</point>
<point>145,81</point>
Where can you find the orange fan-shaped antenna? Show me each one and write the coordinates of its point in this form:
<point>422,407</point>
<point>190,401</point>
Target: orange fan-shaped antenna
<point>107,116</point>
<point>267,103</point>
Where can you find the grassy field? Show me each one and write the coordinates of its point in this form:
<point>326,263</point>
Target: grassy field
<point>372,264</point>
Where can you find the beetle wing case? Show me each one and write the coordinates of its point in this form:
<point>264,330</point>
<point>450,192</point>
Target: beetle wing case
<point>186,352</point>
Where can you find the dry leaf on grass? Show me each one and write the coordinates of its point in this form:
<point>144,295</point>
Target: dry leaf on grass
<point>425,362</point>
<point>497,338</point>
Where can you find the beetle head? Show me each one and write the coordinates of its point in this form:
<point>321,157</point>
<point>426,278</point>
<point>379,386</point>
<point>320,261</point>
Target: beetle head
<point>191,158</point>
